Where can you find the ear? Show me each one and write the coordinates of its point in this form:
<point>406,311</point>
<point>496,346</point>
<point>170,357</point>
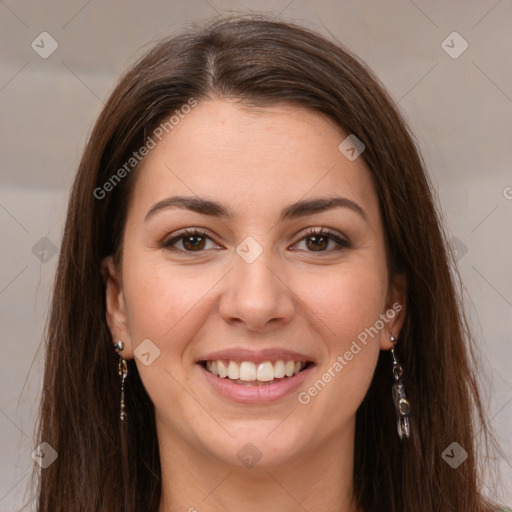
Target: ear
<point>115,306</point>
<point>394,311</point>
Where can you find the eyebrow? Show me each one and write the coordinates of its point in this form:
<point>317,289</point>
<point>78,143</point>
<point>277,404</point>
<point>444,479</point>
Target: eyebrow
<point>293,211</point>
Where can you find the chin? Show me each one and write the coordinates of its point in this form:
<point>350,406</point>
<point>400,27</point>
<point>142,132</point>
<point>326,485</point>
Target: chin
<point>256,447</point>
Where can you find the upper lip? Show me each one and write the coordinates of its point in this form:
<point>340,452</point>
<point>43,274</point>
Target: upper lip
<point>259,356</point>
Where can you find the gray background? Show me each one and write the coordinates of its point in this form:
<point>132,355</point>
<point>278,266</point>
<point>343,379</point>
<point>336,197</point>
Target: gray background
<point>459,108</point>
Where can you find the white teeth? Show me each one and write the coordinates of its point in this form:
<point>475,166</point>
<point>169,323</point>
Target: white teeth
<point>248,371</point>
<point>265,371</point>
<point>279,369</point>
<point>233,371</point>
<point>221,369</point>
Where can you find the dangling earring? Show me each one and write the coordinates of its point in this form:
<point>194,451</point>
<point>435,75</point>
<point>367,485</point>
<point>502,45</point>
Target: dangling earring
<point>402,405</point>
<point>122,370</point>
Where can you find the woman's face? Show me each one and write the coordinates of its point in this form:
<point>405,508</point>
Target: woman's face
<point>254,287</point>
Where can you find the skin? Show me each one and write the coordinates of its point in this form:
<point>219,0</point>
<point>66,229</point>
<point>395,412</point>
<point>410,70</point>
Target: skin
<point>294,295</point>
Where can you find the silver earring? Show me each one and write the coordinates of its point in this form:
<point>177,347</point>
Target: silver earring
<point>122,370</point>
<point>402,405</point>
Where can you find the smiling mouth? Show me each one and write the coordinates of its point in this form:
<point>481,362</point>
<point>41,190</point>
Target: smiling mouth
<point>247,373</point>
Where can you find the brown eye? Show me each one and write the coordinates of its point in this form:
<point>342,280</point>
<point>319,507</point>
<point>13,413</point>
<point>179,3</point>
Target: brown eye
<point>190,240</point>
<point>193,242</point>
<point>317,240</point>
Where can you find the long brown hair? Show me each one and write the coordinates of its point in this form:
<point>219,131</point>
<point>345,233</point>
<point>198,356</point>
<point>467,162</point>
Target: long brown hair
<point>104,465</point>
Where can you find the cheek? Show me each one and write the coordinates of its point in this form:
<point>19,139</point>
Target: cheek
<point>347,300</point>
<point>163,301</point>
<point>167,305</point>
<point>348,305</point>
<point>358,304</point>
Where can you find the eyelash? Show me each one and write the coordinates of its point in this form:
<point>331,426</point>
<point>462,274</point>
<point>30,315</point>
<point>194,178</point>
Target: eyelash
<point>310,232</point>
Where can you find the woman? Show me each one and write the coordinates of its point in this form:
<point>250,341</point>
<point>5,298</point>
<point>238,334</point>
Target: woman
<point>254,307</point>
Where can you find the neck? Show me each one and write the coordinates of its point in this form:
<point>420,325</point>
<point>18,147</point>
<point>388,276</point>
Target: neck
<point>318,479</point>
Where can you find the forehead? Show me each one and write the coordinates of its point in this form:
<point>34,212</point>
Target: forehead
<point>252,159</point>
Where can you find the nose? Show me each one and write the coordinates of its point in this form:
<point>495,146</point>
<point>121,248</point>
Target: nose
<point>256,294</point>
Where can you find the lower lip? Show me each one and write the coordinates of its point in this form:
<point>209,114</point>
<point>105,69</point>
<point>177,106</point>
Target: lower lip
<point>255,394</point>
